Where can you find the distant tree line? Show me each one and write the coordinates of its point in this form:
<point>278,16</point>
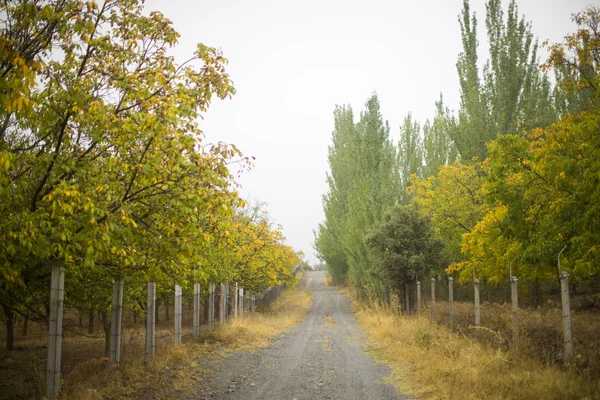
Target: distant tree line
<point>513,174</point>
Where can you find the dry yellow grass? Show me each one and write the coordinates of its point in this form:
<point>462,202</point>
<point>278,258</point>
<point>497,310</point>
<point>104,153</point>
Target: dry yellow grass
<point>433,362</point>
<point>174,371</point>
<point>255,330</point>
<point>540,331</point>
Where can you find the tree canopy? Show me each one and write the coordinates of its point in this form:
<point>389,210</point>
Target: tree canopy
<point>103,168</point>
<point>512,173</point>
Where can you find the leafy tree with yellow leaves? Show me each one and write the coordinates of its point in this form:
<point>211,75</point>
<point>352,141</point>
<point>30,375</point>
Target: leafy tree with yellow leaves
<point>542,188</point>
<point>103,169</point>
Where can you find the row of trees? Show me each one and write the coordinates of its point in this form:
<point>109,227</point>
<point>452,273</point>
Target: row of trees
<point>512,176</point>
<point>103,169</point>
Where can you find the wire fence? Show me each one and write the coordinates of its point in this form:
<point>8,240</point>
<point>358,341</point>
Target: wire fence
<point>24,371</point>
<point>536,326</point>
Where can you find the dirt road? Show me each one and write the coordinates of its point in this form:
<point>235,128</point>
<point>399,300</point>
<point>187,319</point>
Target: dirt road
<point>321,358</point>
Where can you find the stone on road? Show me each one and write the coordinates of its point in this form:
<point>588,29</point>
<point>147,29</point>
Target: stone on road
<point>321,358</point>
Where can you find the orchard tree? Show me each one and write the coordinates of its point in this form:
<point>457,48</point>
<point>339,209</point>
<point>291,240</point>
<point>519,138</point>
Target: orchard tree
<point>541,190</point>
<point>575,63</point>
<point>454,201</point>
<point>103,169</point>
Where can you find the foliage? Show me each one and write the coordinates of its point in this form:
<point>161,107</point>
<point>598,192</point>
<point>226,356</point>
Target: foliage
<point>103,169</point>
<point>438,148</point>
<point>328,237</point>
<point>363,183</point>
<point>258,256</point>
<point>405,245</point>
<point>513,174</point>
<point>410,149</point>
<point>576,63</point>
<point>542,191</point>
<point>542,187</point>
<point>454,201</point>
<point>511,93</point>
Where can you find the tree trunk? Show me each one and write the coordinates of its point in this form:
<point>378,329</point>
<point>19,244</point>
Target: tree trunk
<point>167,317</point>
<point>91,322</point>
<point>157,303</point>
<point>205,313</point>
<point>135,314</point>
<point>10,329</point>
<point>106,327</point>
<point>25,326</point>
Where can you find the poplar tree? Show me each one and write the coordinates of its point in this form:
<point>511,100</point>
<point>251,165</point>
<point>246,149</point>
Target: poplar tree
<point>374,189</point>
<point>438,148</point>
<point>511,93</point>
<point>363,184</point>
<point>328,237</point>
<point>410,146</point>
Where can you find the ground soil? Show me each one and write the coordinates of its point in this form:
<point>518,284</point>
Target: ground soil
<point>323,357</point>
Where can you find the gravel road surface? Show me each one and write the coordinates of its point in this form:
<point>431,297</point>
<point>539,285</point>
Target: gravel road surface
<point>321,358</point>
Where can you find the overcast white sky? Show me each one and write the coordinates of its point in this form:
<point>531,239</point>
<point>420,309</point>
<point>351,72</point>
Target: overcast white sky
<point>293,61</point>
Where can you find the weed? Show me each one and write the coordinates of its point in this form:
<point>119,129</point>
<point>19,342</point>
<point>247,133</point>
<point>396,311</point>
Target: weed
<point>36,379</point>
<point>423,338</point>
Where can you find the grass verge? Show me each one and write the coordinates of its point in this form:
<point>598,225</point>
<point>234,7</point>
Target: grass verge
<point>432,362</point>
<point>174,372</point>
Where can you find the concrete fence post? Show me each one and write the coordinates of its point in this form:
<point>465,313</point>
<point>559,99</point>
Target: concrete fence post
<point>247,301</point>
<point>419,305</point>
<point>227,301</point>
<point>241,301</point>
<point>566,316</point>
<point>253,302</point>
<point>451,300</point>
<point>151,321</point>
<point>55,327</point>
<point>432,299</point>
<point>196,310</point>
<point>477,307</point>
<point>177,318</point>
<point>514,300</point>
<point>211,306</point>
<point>235,300</point>
<point>407,296</point>
<point>222,304</point>
<point>116,321</point>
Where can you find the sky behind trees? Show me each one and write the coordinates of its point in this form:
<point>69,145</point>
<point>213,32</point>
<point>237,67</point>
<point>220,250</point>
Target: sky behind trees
<point>291,63</point>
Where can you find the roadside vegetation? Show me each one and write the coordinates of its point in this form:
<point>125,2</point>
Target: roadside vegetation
<point>104,171</point>
<point>433,361</point>
<point>498,187</point>
<point>503,189</point>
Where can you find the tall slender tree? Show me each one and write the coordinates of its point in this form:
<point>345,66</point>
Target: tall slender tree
<point>363,184</point>
<point>438,148</point>
<point>511,94</point>
<point>410,149</point>
<point>328,237</point>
